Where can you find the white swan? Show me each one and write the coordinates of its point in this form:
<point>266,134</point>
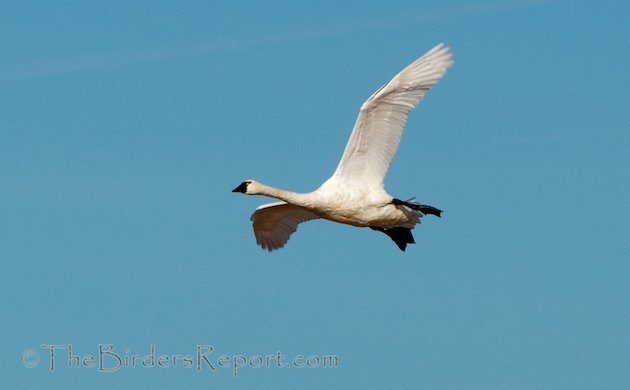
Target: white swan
<point>354,195</point>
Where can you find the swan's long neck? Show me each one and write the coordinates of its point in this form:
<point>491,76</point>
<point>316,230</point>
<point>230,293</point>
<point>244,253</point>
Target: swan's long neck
<point>298,199</point>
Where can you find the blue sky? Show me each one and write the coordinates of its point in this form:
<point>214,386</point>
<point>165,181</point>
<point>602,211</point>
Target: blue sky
<point>125,126</point>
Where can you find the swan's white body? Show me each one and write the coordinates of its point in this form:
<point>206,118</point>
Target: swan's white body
<point>354,194</point>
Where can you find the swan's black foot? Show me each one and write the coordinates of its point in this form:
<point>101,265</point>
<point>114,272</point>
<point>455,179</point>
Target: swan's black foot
<point>400,235</point>
<point>424,209</point>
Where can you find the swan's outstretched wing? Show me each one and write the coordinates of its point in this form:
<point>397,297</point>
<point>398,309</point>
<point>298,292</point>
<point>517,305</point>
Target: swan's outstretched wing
<point>380,124</point>
<point>275,222</point>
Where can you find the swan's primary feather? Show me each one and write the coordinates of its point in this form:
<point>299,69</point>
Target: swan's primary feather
<point>275,222</point>
<point>382,118</point>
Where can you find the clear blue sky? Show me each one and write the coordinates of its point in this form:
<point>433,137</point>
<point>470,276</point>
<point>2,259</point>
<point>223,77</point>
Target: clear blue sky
<point>125,125</point>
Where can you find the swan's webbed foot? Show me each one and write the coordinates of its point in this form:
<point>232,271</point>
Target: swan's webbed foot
<point>400,235</point>
<point>424,209</point>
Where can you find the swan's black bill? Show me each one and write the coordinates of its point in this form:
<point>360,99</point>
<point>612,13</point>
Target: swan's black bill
<point>241,188</point>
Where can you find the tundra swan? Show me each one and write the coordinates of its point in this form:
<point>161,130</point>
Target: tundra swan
<point>354,194</point>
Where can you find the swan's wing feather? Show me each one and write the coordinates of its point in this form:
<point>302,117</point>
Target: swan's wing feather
<point>275,222</point>
<point>382,118</point>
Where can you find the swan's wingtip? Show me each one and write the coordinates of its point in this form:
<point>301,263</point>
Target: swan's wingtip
<point>445,54</point>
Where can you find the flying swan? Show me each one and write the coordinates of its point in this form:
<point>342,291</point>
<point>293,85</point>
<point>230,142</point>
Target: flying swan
<point>354,194</point>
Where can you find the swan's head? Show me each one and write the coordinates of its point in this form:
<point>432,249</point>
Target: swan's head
<point>249,187</point>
